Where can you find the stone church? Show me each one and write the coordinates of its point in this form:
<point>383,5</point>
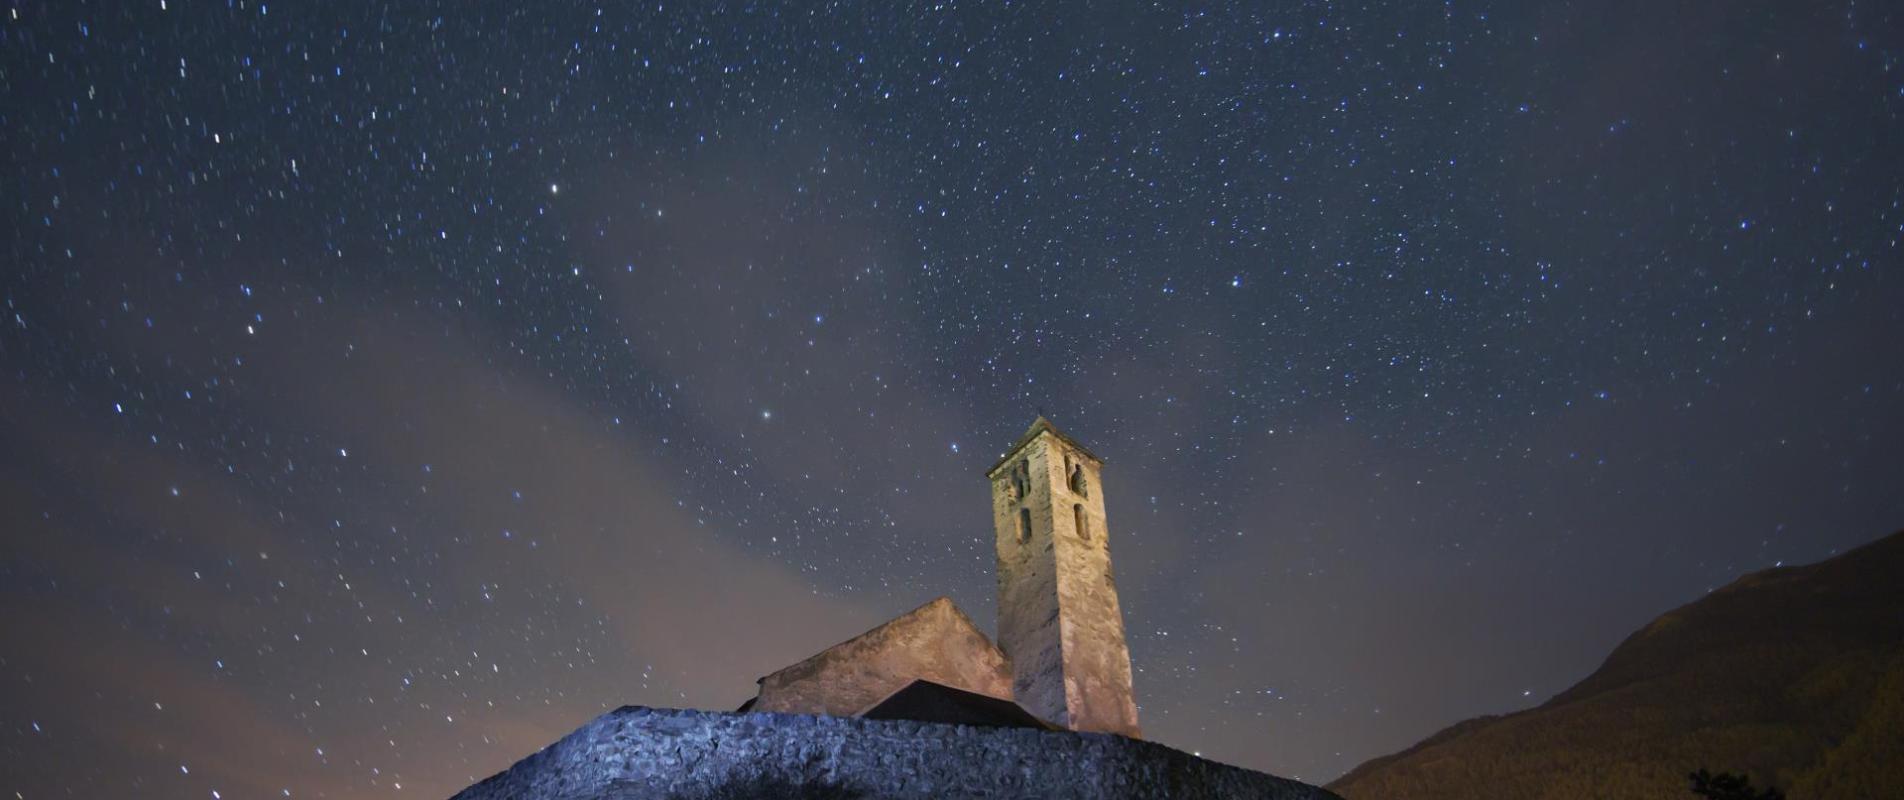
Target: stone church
<point>925,707</point>
<point>1060,661</point>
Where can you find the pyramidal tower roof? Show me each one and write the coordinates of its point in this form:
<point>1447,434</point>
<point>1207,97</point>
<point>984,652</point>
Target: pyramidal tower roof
<point>1040,426</point>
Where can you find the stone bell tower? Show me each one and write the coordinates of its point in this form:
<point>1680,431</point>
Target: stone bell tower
<point>1058,618</point>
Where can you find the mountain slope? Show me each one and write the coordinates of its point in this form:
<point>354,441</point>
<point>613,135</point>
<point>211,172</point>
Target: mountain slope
<point>1793,675</point>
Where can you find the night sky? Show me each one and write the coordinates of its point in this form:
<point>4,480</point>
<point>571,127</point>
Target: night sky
<point>386,389</point>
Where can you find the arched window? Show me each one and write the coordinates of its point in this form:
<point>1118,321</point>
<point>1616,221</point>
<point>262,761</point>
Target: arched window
<point>1082,522</point>
<point>1077,481</point>
<point>1021,480</point>
<point>1024,525</point>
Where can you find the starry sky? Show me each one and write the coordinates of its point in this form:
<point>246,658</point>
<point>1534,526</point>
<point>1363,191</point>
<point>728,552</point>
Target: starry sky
<point>388,388</point>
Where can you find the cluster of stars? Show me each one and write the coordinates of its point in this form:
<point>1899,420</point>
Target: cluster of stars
<point>1403,327</point>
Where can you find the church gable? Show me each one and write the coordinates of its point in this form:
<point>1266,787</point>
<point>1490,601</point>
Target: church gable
<point>934,642</point>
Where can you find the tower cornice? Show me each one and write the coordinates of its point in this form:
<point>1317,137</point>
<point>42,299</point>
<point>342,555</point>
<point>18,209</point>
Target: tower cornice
<point>1039,426</point>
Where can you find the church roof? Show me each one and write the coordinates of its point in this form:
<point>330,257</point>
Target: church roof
<point>1038,426</point>
<point>926,701</point>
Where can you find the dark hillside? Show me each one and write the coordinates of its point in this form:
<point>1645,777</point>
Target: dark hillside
<point>1792,675</point>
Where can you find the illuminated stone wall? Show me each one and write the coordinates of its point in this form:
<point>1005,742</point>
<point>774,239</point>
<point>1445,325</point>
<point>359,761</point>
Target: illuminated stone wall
<point>637,752</point>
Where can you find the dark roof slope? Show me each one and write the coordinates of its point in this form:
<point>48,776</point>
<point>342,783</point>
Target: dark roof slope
<point>926,701</point>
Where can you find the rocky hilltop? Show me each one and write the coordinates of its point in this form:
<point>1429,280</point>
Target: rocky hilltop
<point>638,752</point>
<point>1794,676</point>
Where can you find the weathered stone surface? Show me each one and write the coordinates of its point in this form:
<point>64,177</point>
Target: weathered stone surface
<point>1059,621</point>
<point>935,642</point>
<point>637,752</point>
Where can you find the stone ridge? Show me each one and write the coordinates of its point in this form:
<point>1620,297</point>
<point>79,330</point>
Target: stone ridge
<point>639,752</point>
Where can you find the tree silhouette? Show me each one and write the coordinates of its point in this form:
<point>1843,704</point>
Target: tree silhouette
<point>1727,786</point>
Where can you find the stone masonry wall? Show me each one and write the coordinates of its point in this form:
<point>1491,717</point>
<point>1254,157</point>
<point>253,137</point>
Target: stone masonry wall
<point>1097,668</point>
<point>1059,621</point>
<point>637,752</point>
<point>1028,587</point>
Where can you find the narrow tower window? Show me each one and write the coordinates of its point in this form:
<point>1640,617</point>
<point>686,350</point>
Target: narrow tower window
<point>1021,480</point>
<point>1083,524</point>
<point>1077,481</point>
<point>1024,525</point>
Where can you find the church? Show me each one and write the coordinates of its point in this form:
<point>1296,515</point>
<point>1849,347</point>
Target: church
<point>1060,661</point>
<point>926,706</point>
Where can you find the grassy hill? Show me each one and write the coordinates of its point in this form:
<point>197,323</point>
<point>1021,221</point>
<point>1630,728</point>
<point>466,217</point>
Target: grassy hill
<point>1794,676</point>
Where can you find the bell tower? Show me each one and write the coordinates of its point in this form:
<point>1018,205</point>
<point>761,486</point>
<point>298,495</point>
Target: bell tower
<point>1058,617</point>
